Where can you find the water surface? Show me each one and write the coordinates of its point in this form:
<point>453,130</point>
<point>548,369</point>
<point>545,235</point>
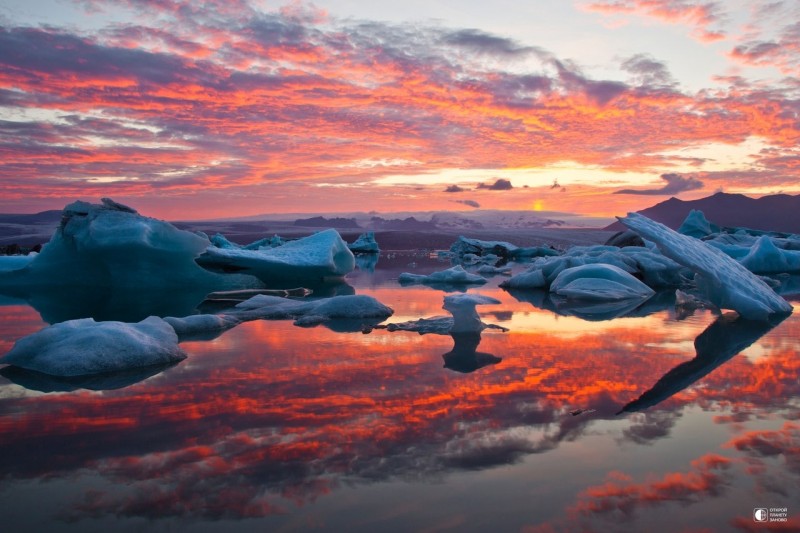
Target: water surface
<point>559,424</point>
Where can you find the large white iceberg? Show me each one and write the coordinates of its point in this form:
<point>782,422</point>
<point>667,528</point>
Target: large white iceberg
<point>452,276</point>
<point>724,281</point>
<point>319,257</point>
<point>83,346</point>
<point>599,282</point>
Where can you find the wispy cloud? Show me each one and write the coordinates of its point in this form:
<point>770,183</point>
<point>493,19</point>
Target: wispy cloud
<point>704,17</point>
<point>194,98</point>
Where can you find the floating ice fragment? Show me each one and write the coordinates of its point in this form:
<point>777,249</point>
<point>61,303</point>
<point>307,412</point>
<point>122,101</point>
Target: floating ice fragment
<point>727,283</point>
<point>452,276</point>
<point>465,316</point>
<point>81,347</point>
<point>318,257</point>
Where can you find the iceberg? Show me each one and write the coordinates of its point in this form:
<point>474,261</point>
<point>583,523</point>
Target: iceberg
<point>725,282</point>
<point>365,244</point>
<point>81,347</point>
<point>320,257</point>
<point>599,282</point>
<point>697,225</point>
<point>111,245</point>
<point>452,276</point>
<point>465,316</point>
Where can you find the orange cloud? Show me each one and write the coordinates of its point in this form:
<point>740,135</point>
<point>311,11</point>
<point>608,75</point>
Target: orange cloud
<point>266,104</point>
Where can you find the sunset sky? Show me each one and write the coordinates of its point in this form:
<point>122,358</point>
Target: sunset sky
<point>189,109</point>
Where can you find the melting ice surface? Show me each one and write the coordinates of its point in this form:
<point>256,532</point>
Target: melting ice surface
<point>268,426</point>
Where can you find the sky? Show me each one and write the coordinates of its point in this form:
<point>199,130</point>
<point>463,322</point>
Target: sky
<point>191,110</point>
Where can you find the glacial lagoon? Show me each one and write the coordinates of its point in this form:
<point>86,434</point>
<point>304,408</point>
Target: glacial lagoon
<point>653,421</point>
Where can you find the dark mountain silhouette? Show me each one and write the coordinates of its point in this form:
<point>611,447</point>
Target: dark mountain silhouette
<point>322,222</point>
<point>52,217</point>
<point>779,212</point>
<point>407,224</point>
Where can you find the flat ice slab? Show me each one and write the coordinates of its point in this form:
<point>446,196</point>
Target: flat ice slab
<point>725,282</point>
<point>82,347</point>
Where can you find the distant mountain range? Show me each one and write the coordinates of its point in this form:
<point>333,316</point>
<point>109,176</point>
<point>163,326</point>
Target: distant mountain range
<point>779,212</point>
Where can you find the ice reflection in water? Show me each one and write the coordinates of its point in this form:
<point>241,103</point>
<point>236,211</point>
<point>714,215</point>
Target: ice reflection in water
<point>272,426</point>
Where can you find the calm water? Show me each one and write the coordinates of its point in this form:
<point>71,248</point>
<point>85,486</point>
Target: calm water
<point>272,427</point>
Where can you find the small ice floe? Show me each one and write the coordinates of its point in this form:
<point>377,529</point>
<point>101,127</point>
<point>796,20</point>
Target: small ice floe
<point>599,282</point>
<point>451,277</point>
<point>725,282</point>
<point>365,244</point>
<point>318,257</point>
<point>464,319</point>
<point>82,347</point>
<point>353,312</point>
